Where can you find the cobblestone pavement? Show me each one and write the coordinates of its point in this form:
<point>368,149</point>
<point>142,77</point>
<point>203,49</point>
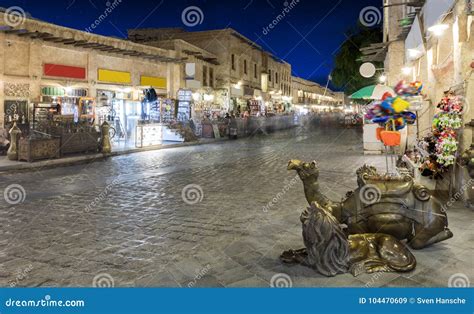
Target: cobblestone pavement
<point>194,216</point>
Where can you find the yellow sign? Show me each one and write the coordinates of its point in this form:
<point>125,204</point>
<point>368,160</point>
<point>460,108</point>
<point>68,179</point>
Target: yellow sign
<point>158,82</point>
<point>110,76</point>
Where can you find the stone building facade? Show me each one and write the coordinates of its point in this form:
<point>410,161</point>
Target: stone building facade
<point>305,92</point>
<point>241,61</point>
<point>36,54</point>
<point>436,49</point>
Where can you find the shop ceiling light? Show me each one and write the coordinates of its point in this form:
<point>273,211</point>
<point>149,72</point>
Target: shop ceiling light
<point>438,29</point>
<point>68,89</point>
<point>382,78</point>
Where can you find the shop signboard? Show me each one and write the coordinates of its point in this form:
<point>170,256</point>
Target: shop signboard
<point>236,91</point>
<point>110,76</point>
<point>184,104</point>
<point>193,84</point>
<point>59,70</point>
<point>190,71</point>
<point>215,129</point>
<point>153,81</point>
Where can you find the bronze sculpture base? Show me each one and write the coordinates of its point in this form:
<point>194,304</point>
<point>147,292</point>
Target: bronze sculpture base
<point>330,252</point>
<point>382,203</point>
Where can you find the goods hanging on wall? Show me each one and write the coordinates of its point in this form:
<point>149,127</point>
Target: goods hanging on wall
<point>442,144</point>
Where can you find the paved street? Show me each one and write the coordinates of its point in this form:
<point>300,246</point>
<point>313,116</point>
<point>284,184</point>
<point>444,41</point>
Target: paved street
<point>193,216</point>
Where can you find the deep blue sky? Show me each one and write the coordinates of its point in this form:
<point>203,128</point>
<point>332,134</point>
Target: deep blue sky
<point>311,56</point>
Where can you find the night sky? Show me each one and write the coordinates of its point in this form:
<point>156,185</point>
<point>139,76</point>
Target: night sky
<point>307,37</point>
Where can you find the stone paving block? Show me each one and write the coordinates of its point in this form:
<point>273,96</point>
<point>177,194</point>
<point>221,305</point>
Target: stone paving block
<point>143,232</point>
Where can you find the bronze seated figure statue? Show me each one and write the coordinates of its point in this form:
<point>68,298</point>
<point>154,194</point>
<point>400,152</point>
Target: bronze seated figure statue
<point>330,252</point>
<point>387,204</point>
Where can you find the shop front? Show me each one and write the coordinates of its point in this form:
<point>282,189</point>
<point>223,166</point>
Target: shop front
<point>136,115</point>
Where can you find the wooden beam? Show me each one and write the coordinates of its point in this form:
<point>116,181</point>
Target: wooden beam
<point>15,31</point>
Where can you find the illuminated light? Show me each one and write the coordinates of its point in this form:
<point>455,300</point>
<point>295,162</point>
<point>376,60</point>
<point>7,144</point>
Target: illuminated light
<point>208,97</point>
<point>68,89</point>
<point>407,70</point>
<point>239,83</point>
<point>438,29</point>
<point>127,90</point>
<point>414,53</point>
<point>382,78</point>
<point>196,96</point>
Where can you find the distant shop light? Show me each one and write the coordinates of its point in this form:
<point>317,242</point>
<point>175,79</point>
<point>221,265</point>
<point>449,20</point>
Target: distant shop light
<point>196,96</point>
<point>208,97</point>
<point>68,89</point>
<point>382,78</point>
<point>238,85</point>
<point>127,90</point>
<point>438,29</point>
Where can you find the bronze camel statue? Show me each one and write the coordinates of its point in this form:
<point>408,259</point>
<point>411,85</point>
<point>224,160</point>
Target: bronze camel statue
<point>330,252</point>
<point>386,204</point>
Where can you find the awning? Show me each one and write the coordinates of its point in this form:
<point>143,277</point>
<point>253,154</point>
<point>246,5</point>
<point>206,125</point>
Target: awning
<point>434,11</point>
<point>374,92</point>
<point>414,44</point>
